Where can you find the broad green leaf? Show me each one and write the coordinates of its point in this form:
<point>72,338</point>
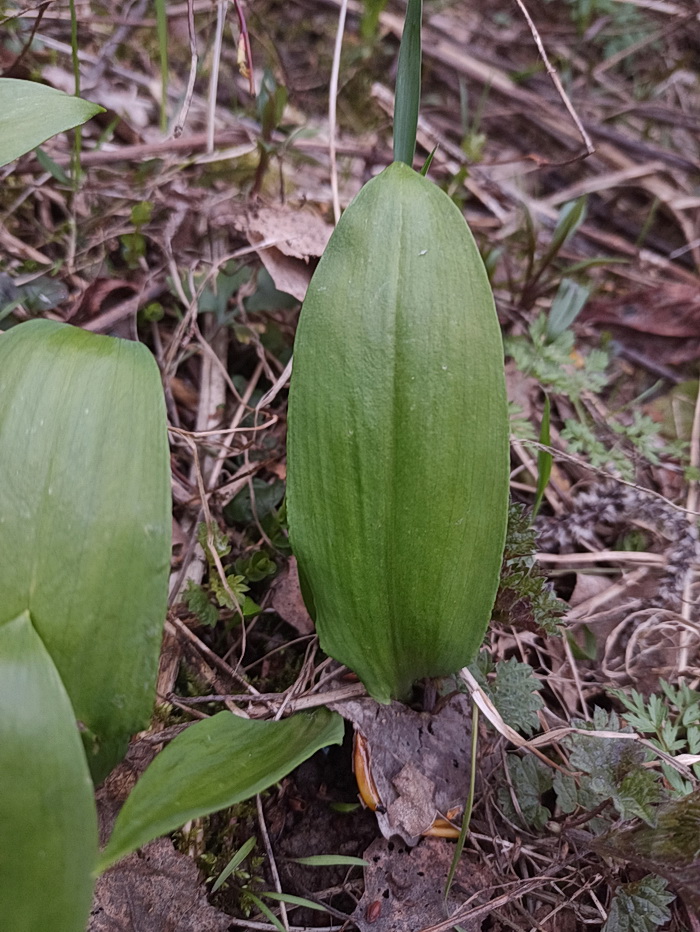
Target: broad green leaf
<point>31,113</point>
<point>48,824</point>
<point>214,764</point>
<point>85,518</point>
<point>397,491</point>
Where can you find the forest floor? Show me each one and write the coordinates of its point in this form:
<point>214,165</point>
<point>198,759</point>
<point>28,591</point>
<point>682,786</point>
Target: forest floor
<point>194,223</point>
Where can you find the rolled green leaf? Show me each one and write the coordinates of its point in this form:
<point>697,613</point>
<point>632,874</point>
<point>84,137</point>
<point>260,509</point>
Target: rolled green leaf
<point>215,763</point>
<point>407,97</point>
<point>85,518</point>
<point>48,824</point>
<point>30,113</point>
<point>398,438</point>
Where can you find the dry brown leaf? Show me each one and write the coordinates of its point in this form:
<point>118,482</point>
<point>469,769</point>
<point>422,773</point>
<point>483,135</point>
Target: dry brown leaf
<point>296,232</point>
<point>662,322</point>
<point>287,601</point>
<point>420,761</point>
<point>289,238</point>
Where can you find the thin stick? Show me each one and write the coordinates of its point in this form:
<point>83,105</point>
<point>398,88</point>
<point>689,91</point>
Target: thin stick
<point>577,677</point>
<point>552,72</point>
<point>332,107</point>
<point>271,859</point>
<point>568,458</point>
<point>184,110</point>
<point>691,504</point>
<point>489,710</point>
<point>214,76</point>
<point>245,54</point>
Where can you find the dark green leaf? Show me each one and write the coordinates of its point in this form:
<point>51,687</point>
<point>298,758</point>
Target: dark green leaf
<point>639,907</point>
<point>256,567</point>
<point>267,496</point>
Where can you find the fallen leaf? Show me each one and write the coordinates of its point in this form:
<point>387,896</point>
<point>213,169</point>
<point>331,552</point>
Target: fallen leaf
<point>286,599</point>
<point>420,761</point>
<point>288,237</point>
<point>661,321</point>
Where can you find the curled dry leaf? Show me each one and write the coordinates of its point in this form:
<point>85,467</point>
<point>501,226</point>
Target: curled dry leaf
<point>287,601</point>
<point>296,236</point>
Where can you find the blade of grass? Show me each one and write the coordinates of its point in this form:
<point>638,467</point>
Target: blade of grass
<point>292,900</point>
<point>407,98</point>
<point>237,859</point>
<point>470,803</point>
<point>266,911</point>
<point>331,860</point>
<point>544,459</point>
<point>428,162</point>
<point>162,32</point>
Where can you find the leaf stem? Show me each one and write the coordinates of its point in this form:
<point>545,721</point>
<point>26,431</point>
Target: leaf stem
<point>407,98</point>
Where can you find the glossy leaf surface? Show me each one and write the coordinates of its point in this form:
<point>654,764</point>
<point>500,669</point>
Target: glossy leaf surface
<point>398,438</point>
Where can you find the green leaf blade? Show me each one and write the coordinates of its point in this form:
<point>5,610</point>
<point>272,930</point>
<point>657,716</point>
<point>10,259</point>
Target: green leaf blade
<point>31,113</point>
<point>48,823</point>
<point>331,860</point>
<point>214,764</point>
<point>85,505</point>
<point>397,490</point>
